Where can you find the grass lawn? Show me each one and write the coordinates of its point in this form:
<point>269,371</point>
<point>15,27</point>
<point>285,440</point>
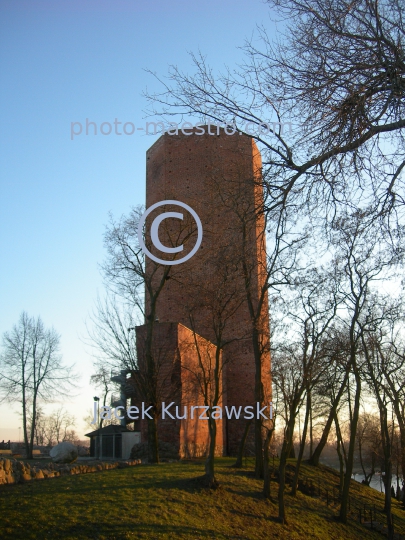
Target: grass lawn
<point>166,502</point>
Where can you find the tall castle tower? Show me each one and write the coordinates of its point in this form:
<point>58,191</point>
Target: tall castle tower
<point>219,177</point>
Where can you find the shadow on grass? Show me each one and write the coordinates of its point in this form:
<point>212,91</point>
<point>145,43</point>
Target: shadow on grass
<point>120,530</point>
<point>115,531</point>
<point>104,481</point>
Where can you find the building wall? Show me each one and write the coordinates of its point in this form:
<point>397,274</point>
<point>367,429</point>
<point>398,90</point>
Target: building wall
<point>167,361</point>
<point>179,372</point>
<point>128,440</point>
<point>198,358</point>
<point>219,177</point>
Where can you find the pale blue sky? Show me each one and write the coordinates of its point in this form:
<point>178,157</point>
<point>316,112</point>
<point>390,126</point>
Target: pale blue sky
<point>64,61</point>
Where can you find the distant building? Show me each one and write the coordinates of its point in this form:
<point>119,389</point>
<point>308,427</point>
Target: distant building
<point>112,442</point>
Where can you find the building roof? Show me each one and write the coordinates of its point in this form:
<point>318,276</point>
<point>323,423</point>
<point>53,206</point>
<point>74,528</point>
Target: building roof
<point>108,430</point>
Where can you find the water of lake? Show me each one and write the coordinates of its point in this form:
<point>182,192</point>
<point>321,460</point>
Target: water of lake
<point>377,482</point>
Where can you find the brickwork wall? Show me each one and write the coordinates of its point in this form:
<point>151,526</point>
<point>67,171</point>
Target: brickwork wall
<point>178,381</point>
<point>219,177</point>
<point>167,360</point>
<point>194,434</point>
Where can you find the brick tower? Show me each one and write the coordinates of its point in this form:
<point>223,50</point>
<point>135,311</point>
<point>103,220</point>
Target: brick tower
<point>219,176</point>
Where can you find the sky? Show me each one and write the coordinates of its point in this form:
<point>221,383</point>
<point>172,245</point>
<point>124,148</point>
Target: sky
<point>63,62</point>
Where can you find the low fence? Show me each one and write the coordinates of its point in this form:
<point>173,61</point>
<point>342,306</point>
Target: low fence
<point>370,515</point>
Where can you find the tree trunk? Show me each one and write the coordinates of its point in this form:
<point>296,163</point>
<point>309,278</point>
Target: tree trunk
<point>258,449</point>
<point>387,449</point>
<point>302,445</point>
<point>259,399</point>
<point>239,458</point>
<point>387,502</point>
<point>26,443</point>
<point>34,420</point>
<point>259,394</point>
<point>367,477</point>
<point>281,489</point>
<point>153,449</point>
<point>314,459</point>
<point>311,433</point>
<point>339,445</point>
<point>387,485</point>
<point>153,445</point>
<point>285,452</point>
<point>366,481</point>
<point>209,477</point>
<point>350,454</point>
<point>401,424</point>
<point>266,467</point>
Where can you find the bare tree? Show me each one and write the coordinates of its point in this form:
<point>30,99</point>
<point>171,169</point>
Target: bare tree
<point>375,376</point>
<point>40,426</point>
<point>336,75</point>
<point>32,370</point>
<point>102,380</point>
<point>368,443</point>
<point>54,428</point>
<point>365,257</point>
<point>139,282</point>
<point>315,311</point>
<point>333,385</point>
<point>341,431</point>
<point>388,339</point>
<point>207,375</point>
<point>60,422</point>
<point>126,273</point>
<point>110,335</point>
<point>273,235</point>
<point>266,457</point>
<point>221,299</point>
<point>382,369</point>
<point>298,364</point>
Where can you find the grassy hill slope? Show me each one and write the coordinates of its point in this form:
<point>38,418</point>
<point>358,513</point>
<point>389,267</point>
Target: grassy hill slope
<point>167,502</point>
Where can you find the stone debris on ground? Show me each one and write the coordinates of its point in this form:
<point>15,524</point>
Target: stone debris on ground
<point>13,471</point>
